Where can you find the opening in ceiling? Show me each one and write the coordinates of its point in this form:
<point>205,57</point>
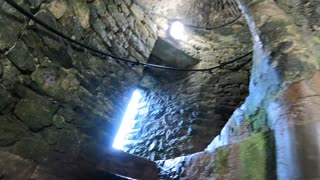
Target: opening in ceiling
<point>177,30</point>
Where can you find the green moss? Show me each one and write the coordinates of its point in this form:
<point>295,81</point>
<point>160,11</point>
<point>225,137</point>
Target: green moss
<point>259,120</point>
<point>221,161</point>
<point>257,157</point>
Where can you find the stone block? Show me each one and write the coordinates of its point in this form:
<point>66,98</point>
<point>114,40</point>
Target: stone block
<point>125,9</point>
<point>58,8</point>
<point>11,131</point>
<point>235,78</point>
<point>121,20</point>
<point>32,148</point>
<point>69,143</point>
<point>7,100</point>
<point>35,4</point>
<point>20,56</point>
<point>109,21</point>
<point>36,113</point>
<point>10,29</point>
<point>136,55</point>
<point>141,28</point>
<point>137,11</point>
<point>82,12</point>
<point>56,82</point>
<point>100,7</point>
<point>137,44</point>
<point>257,157</point>
<point>51,135</point>
<point>56,49</point>
<point>14,167</point>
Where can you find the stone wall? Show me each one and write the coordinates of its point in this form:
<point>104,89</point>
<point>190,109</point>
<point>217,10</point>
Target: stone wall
<point>252,158</point>
<point>181,112</point>
<point>205,14</point>
<point>58,101</point>
<point>306,13</point>
<point>267,137</point>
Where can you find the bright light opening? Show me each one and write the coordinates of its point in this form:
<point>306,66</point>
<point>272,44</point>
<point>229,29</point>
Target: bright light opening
<point>127,122</point>
<point>177,30</point>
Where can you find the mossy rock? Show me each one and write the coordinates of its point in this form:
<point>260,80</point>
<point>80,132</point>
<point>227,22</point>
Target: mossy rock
<point>257,157</point>
<point>221,161</point>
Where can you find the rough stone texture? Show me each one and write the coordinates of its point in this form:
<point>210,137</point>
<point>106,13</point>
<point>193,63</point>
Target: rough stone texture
<point>182,112</point>
<point>282,97</point>
<point>139,168</point>
<point>35,113</point>
<point>7,101</point>
<point>288,56</point>
<point>252,159</point>
<point>180,117</point>
<point>11,22</point>
<point>170,55</point>
<point>15,167</point>
<point>257,157</point>
<point>61,107</point>
<point>58,102</point>
<point>20,56</point>
<point>11,131</point>
<point>206,14</point>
